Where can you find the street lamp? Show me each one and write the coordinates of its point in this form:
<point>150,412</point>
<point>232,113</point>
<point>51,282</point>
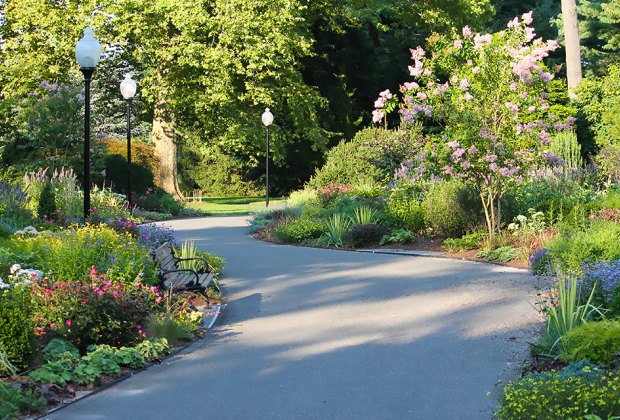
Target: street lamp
<point>128,90</point>
<point>267,121</point>
<point>87,52</point>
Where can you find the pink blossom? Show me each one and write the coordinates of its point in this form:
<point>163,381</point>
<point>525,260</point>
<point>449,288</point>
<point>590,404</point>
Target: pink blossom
<point>427,72</point>
<point>493,167</point>
<point>386,94</point>
<point>527,18</point>
<point>529,33</point>
<point>100,292</point>
<point>481,40</point>
<point>544,106</point>
<point>68,322</point>
<point>454,79</point>
<point>415,71</point>
<point>531,108</point>
<point>448,170</point>
<point>468,96</point>
<point>544,137</point>
<point>464,85</point>
<point>115,294</point>
<point>47,291</point>
<point>545,77</point>
<point>514,108</point>
<point>504,171</point>
<point>379,103</point>
<point>473,149</point>
<point>454,144</point>
<point>475,70</point>
<point>523,95</point>
<point>458,44</point>
<point>428,110</point>
<point>377,115</point>
<point>421,96</point>
<point>513,86</point>
<point>490,158</point>
<point>465,164</point>
<point>418,53</point>
<point>513,23</point>
<point>410,85</point>
<point>467,32</point>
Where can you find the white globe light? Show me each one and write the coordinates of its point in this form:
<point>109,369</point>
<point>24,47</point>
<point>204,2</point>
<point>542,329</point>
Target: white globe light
<point>88,50</point>
<point>267,117</point>
<point>128,87</point>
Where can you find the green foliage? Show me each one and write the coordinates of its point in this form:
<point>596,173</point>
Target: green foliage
<point>452,208</point>
<point>55,348</point>
<point>47,202</point>
<point>560,398</point>
<point>54,372</point>
<point>153,349</point>
<point>373,154</point>
<point>466,242</point>
<point>566,146</point>
<point>17,326</point>
<point>598,342</point>
<point>299,229</point>
<point>574,247</point>
<point>142,153</point>
<point>304,197</point>
<point>400,236</point>
<point>71,253</point>
<point>403,207</point>
<point>501,254</point>
<point>130,356</point>
<point>111,170</point>
<point>6,367</point>
<point>365,233</point>
<point>156,199</point>
<point>364,215</point>
<point>337,225</point>
<point>14,403</point>
<point>168,326</point>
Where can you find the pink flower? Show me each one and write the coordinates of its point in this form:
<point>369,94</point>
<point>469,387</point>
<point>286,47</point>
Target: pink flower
<point>100,292</point>
<point>448,170</point>
<point>465,164</point>
<point>379,103</point>
<point>475,70</point>
<point>464,85</point>
<point>410,85</point>
<point>467,32</point>
<point>421,96</point>
<point>468,96</point>
<point>415,71</point>
<point>377,115</point>
<point>115,294</point>
<point>513,86</point>
<point>47,291</point>
<point>154,289</point>
<point>418,53</point>
<point>493,167</point>
<point>473,149</point>
<point>531,109</point>
<point>454,144</point>
<point>68,322</point>
<point>529,34</point>
<point>386,94</point>
<point>458,44</point>
<point>514,23</point>
<point>527,18</point>
<point>481,40</point>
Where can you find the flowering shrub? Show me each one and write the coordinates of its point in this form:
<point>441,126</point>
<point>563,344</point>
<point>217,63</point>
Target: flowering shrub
<point>604,278</point>
<point>152,236</point>
<point>329,194</point>
<point>97,311</point>
<point>540,261</point>
<point>486,106</point>
<point>68,254</point>
<point>611,215</point>
<point>13,203</point>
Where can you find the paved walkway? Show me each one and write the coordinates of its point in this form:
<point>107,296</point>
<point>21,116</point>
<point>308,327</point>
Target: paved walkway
<point>325,334</point>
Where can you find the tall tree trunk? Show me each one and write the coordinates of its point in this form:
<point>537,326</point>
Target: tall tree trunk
<point>573,53</point>
<point>165,141</point>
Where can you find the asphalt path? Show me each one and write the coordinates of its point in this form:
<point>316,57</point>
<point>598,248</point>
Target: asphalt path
<point>331,334</point>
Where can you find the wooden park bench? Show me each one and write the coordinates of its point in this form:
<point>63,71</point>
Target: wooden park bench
<point>175,277</point>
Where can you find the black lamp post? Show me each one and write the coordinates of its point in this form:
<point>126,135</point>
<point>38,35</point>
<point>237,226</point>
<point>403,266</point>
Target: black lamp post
<point>267,121</point>
<point>128,90</point>
<point>87,52</point>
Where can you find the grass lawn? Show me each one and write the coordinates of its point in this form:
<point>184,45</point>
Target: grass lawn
<point>234,205</point>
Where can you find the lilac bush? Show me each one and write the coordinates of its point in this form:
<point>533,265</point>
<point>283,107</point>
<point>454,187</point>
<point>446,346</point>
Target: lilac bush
<point>485,92</point>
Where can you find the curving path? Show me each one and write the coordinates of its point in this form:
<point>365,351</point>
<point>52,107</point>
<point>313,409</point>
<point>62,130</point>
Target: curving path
<point>326,334</point>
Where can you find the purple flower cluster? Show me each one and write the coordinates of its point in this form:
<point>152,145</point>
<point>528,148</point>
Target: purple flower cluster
<point>540,261</point>
<point>605,277</point>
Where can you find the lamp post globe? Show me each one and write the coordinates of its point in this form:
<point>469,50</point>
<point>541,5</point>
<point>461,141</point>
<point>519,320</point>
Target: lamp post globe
<point>87,53</point>
<point>128,90</point>
<point>267,119</point>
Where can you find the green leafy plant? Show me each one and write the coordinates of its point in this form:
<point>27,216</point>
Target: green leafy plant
<point>17,326</point>
<point>566,146</point>
<point>466,242</point>
<point>400,236</point>
<point>130,356</point>
<point>562,398</point>
<point>299,229</point>
<point>364,215</point>
<point>6,367</point>
<point>57,347</point>
<point>57,372</point>
<point>404,208</point>
<point>100,360</point>
<point>336,226</point>
<point>598,342</point>
<point>502,254</point>
<point>14,402</point>
<point>153,349</point>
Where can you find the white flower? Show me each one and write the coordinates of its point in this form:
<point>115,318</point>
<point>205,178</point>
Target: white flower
<point>4,285</point>
<point>15,268</point>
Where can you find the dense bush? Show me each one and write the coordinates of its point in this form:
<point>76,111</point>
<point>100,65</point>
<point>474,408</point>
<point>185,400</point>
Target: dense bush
<point>561,398</point>
<point>14,403</point>
<point>373,154</point>
<point>299,229</point>
<point>403,207</point>
<point>156,199</point>
<point>111,171</point>
<point>451,208</point>
<point>599,342</point>
<point>97,311</point>
<point>466,242</point>
<point>361,235</point>
<point>70,254</point>
<point>574,247</point>
<point>141,153</point>
<point>47,202</point>
<point>16,325</point>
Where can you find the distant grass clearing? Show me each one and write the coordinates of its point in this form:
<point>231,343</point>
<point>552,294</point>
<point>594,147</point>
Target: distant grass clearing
<point>234,205</point>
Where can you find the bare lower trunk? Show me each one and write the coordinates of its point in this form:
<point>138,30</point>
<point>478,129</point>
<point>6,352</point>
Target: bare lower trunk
<point>573,53</point>
<point>165,142</point>
<point>488,204</point>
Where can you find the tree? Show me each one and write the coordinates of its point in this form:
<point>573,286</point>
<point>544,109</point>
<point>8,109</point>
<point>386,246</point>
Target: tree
<point>485,98</point>
<point>573,52</point>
